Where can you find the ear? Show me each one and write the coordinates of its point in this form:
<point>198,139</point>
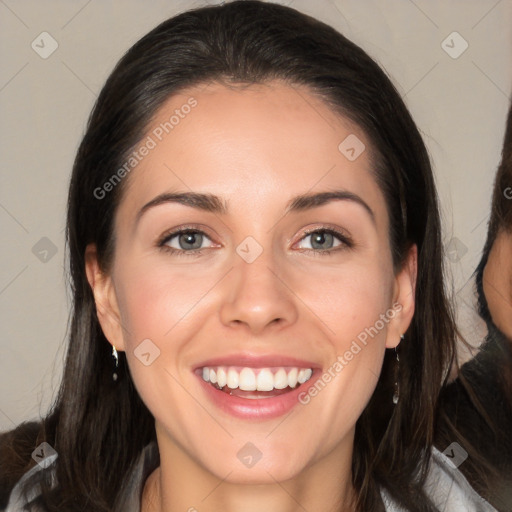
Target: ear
<point>105,298</point>
<point>403,298</point>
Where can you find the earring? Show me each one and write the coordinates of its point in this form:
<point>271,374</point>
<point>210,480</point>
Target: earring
<point>396,394</point>
<point>116,357</point>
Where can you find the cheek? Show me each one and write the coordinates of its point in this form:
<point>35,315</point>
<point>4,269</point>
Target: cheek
<point>161,311</point>
<point>349,299</point>
<point>157,308</point>
<point>355,309</point>
<point>153,300</point>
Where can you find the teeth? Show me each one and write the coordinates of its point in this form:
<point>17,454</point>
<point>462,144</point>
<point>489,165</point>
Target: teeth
<point>256,379</point>
<point>247,380</point>
<point>301,378</point>
<point>265,381</point>
<point>280,379</point>
<point>292,377</point>
<point>233,379</point>
<point>221,377</point>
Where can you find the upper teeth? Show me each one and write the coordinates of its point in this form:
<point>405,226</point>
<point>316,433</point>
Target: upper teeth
<point>254,379</point>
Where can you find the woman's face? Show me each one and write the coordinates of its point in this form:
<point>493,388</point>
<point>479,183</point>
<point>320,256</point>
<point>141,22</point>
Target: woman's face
<point>262,296</point>
<point>497,282</point>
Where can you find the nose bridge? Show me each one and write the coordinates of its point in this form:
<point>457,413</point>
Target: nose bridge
<point>257,295</point>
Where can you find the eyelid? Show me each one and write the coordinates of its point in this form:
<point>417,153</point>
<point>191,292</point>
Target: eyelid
<point>171,233</point>
<point>343,234</point>
<point>346,241</point>
<point>344,238</point>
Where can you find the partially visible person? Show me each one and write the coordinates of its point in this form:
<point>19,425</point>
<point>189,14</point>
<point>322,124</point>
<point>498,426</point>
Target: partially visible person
<point>478,404</point>
<point>496,277</point>
<point>495,270</point>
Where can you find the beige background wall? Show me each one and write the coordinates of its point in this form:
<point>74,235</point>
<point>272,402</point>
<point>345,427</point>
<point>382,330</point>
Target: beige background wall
<point>460,105</point>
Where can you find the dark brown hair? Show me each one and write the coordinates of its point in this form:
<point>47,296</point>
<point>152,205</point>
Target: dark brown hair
<point>98,426</point>
<point>501,212</point>
<point>479,404</point>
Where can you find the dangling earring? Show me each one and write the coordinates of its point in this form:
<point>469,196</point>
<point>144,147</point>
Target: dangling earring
<point>396,394</point>
<point>116,357</point>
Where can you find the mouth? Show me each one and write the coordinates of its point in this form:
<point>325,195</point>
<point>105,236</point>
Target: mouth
<point>255,383</point>
<point>256,388</point>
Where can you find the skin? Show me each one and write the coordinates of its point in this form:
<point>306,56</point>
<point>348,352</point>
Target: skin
<point>255,147</point>
<point>497,282</point>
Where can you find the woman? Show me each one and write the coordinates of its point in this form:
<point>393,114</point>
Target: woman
<point>251,372</point>
<point>495,269</point>
<point>478,405</point>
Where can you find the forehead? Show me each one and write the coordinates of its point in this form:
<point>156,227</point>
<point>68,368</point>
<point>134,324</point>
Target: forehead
<point>261,143</point>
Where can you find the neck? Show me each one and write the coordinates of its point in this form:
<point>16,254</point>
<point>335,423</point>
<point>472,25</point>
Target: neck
<point>181,484</point>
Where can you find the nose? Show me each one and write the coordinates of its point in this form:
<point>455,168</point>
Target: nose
<point>258,296</point>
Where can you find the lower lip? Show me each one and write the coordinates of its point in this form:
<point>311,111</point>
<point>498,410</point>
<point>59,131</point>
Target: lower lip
<point>256,408</point>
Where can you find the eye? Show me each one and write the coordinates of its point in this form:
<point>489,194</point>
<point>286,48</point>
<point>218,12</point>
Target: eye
<point>189,241</point>
<point>183,241</point>
<point>323,241</point>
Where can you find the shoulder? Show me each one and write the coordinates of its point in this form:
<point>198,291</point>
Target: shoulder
<point>129,500</point>
<point>16,456</point>
<point>447,487</point>
<point>27,488</point>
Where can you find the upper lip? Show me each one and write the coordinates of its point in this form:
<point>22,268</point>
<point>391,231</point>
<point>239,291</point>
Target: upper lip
<point>256,361</point>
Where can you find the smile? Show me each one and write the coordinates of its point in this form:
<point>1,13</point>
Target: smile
<point>255,388</point>
<point>267,379</point>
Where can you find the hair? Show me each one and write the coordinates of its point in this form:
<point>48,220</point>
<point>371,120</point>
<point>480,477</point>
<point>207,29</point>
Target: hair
<point>95,419</point>
<point>479,403</point>
<point>501,209</point>
<point>500,220</point>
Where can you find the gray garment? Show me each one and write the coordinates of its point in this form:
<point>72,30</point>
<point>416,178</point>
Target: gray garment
<point>445,484</point>
<point>148,461</point>
<point>447,487</point>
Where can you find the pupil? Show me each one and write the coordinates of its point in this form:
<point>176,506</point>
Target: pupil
<point>188,238</point>
<point>321,238</point>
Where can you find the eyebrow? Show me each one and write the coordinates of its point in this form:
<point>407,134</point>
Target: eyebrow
<point>214,204</point>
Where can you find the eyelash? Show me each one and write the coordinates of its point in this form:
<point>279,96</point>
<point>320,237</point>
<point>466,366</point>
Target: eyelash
<point>346,242</point>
